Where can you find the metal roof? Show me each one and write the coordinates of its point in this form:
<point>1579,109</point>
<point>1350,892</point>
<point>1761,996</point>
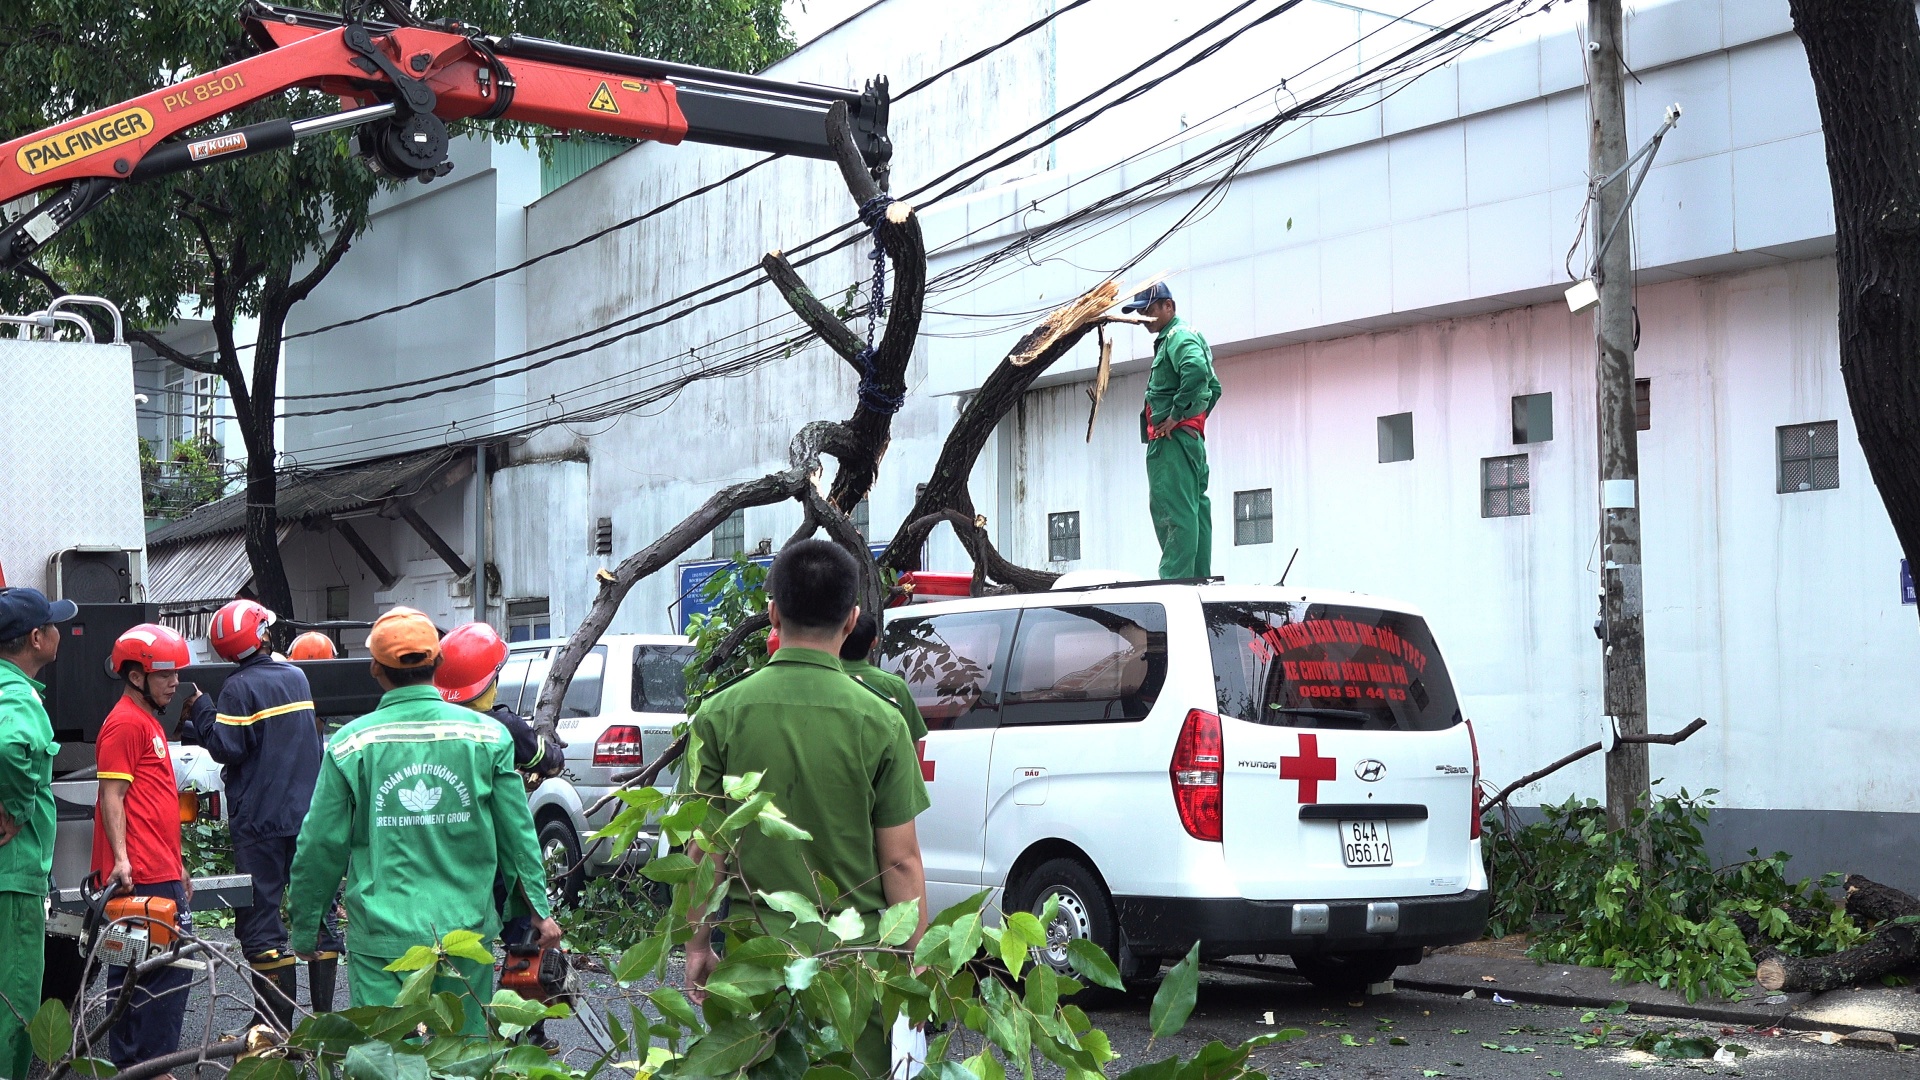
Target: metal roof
<point>313,495</point>
<point>208,571</point>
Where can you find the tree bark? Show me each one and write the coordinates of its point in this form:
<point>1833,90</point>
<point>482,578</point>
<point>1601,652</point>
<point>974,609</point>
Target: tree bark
<point>1887,949</point>
<point>1868,899</point>
<point>1865,59</point>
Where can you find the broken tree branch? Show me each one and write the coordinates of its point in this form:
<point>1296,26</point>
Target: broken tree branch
<point>1672,739</point>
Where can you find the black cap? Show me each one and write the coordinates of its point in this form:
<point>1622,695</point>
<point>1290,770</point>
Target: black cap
<point>23,611</point>
<point>1145,297</point>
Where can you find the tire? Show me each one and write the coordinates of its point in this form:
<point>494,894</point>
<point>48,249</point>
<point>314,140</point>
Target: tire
<point>1348,973</point>
<point>560,851</point>
<point>1085,911</point>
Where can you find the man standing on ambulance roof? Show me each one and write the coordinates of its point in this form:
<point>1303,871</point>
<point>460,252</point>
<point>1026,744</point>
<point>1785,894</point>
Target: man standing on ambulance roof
<point>29,641</point>
<point>267,736</point>
<point>418,807</point>
<point>136,826</point>
<point>1181,391</point>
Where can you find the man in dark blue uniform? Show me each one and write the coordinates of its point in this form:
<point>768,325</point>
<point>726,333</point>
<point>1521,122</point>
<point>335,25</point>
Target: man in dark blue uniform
<point>266,734</point>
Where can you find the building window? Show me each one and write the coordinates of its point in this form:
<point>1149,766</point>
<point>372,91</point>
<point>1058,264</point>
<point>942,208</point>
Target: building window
<point>1504,489</point>
<point>337,596</point>
<point>1396,437</point>
<point>1643,404</point>
<point>1532,419</point>
<point>1253,517</point>
<point>1810,456</point>
<point>527,620</point>
<point>862,517</point>
<point>730,537</point>
<point>1063,536</point>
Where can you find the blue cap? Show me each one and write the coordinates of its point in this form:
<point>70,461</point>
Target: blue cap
<point>23,611</point>
<point>1145,297</point>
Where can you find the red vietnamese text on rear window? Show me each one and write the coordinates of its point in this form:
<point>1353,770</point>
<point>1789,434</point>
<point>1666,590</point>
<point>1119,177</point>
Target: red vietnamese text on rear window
<point>1301,650</point>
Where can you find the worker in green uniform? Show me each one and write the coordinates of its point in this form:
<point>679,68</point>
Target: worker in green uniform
<point>417,806</point>
<point>856,658</point>
<point>29,640</point>
<point>1181,391</point>
<point>833,753</point>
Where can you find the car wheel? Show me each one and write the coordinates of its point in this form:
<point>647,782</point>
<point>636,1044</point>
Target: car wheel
<point>559,854</point>
<point>1084,912</point>
<point>1347,973</point>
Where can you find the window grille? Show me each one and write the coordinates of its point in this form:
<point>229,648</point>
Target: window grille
<point>1063,536</point>
<point>1253,517</point>
<point>1504,487</point>
<point>1810,457</point>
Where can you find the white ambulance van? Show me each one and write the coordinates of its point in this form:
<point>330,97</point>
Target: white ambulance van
<point>1258,769</point>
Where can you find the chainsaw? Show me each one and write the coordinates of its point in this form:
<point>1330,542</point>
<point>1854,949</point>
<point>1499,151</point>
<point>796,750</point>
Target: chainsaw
<point>547,976</point>
<point>125,930</point>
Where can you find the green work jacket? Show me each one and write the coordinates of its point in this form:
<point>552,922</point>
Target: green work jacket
<point>417,806</point>
<point>894,689</point>
<point>1181,383</point>
<point>26,782</point>
<point>836,758</point>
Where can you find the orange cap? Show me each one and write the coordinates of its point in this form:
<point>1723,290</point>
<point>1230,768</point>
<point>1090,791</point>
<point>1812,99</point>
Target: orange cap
<point>404,638</point>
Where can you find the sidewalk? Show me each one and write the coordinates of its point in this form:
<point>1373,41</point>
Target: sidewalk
<point>1895,1010</point>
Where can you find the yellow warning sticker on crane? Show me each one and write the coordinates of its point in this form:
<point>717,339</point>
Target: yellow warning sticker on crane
<point>603,100</point>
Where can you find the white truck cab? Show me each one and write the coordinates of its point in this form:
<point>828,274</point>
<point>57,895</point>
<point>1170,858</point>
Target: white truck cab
<point>1254,768</point>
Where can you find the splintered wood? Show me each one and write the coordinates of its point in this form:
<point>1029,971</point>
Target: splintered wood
<point>1098,390</point>
<point>1088,306</point>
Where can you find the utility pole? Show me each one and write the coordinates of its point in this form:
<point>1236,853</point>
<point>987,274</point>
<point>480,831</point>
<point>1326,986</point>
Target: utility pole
<point>1622,605</point>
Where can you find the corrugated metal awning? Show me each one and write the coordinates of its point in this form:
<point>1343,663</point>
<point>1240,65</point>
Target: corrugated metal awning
<point>200,574</point>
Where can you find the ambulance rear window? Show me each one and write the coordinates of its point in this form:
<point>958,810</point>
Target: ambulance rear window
<point>1325,666</point>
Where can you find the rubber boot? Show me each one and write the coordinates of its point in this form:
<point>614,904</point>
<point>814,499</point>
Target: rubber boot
<point>275,982</point>
<point>322,972</point>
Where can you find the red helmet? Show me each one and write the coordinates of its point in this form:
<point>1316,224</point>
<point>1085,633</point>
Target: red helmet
<point>153,647</point>
<point>312,645</point>
<point>239,628</point>
<point>470,657</point>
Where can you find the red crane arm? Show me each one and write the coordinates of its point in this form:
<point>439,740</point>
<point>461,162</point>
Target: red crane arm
<point>405,82</point>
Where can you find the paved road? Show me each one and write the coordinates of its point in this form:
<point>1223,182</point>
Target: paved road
<point>1445,1036</point>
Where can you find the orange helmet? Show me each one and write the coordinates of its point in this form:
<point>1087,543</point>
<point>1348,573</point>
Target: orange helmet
<point>153,647</point>
<point>312,645</point>
<point>239,629</point>
<point>470,657</point>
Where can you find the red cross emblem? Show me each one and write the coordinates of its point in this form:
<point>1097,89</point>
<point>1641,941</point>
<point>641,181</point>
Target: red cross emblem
<point>1309,768</point>
<point>926,767</point>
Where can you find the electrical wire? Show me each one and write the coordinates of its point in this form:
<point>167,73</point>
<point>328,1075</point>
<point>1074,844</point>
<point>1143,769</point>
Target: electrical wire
<point>1246,147</point>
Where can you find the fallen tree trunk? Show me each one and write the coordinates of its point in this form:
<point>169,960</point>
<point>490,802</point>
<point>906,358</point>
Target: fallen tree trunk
<point>1868,899</point>
<point>1889,948</point>
<point>1757,943</point>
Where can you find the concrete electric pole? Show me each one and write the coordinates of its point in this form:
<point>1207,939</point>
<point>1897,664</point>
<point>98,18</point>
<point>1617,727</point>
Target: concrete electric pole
<point>1622,604</point>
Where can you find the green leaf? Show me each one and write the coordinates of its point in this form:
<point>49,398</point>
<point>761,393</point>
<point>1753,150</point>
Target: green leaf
<point>672,868</point>
<point>674,1006</point>
<point>743,815</point>
<point>51,1031</point>
<point>1013,952</point>
<point>450,1011</point>
<point>965,907</point>
<point>523,1059</point>
<point>510,1008</point>
<point>1173,1002</point>
<point>466,945</point>
<point>1027,928</point>
<point>933,943</point>
<point>847,925</point>
<point>1272,1038</point>
<point>800,973</point>
<point>791,903</point>
<point>834,1072</point>
<point>963,941</point>
<point>1043,990</point>
<point>640,961</point>
<point>740,787</point>
<point>726,1049</point>
<point>897,922</point>
<point>1090,960</point>
<point>1159,1070</point>
<point>418,987</point>
<point>261,1069</point>
<point>379,1061</point>
<point>329,1033</point>
<point>95,1068</point>
<point>420,956</point>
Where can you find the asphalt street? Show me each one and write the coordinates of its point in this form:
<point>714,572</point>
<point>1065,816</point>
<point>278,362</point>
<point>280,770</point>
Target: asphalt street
<point>1404,1034</point>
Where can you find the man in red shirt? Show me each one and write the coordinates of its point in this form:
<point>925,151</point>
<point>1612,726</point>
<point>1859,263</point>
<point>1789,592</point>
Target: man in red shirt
<point>136,827</point>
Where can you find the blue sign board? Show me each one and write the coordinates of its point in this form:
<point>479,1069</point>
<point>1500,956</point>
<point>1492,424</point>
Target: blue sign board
<point>1906,583</point>
<point>694,575</point>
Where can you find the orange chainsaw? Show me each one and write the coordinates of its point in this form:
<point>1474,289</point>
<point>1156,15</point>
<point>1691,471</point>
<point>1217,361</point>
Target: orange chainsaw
<point>547,976</point>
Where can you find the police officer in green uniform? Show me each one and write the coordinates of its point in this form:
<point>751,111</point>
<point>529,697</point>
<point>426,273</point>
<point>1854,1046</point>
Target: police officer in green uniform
<point>29,640</point>
<point>834,754</point>
<point>856,659</point>
<point>1181,391</point>
<point>417,806</point>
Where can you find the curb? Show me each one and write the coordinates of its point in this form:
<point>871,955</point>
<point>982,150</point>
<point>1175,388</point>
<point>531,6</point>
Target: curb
<point>1703,1011</point>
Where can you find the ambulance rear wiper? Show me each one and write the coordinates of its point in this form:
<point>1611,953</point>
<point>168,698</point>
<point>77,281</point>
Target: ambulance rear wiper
<point>1354,718</point>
